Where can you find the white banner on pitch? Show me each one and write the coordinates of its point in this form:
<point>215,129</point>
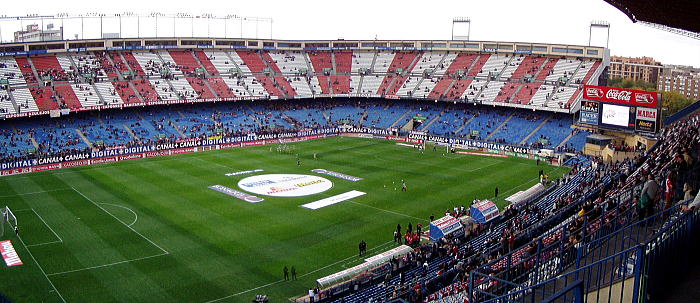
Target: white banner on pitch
<point>333,200</point>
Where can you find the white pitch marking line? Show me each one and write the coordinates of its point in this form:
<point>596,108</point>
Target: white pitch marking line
<point>213,163</point>
<point>34,193</point>
<point>129,209</point>
<point>47,225</point>
<point>19,210</point>
<point>105,265</point>
<point>42,269</point>
<point>45,243</point>
<point>386,210</point>
<point>93,202</point>
<point>280,281</point>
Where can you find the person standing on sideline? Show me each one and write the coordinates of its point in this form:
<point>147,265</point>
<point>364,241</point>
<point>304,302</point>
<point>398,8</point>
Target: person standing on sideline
<point>647,198</point>
<point>285,270</point>
<point>398,227</point>
<point>294,273</point>
<point>298,162</point>
<point>496,191</point>
<point>359,247</point>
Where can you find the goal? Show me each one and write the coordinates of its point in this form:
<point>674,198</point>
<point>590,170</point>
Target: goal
<point>9,218</point>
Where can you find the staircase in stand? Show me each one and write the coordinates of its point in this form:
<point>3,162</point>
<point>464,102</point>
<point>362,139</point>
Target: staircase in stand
<point>256,65</point>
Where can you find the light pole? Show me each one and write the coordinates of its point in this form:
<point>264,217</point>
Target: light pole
<point>209,17</point>
<point>120,24</point>
<point>599,24</point>
<point>101,31</point>
<point>461,20</point>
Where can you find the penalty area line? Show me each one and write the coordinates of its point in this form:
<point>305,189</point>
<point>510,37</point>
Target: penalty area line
<point>105,265</point>
<point>129,209</point>
<point>42,269</point>
<point>129,227</point>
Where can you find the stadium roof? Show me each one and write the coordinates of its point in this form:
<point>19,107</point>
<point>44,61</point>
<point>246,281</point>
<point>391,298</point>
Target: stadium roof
<point>680,14</point>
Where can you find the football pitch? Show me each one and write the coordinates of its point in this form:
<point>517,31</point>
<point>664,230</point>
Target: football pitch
<point>152,230</point>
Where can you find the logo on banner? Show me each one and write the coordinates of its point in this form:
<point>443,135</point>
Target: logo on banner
<point>243,172</point>
<point>594,92</point>
<point>285,185</point>
<point>646,113</point>
<point>236,194</point>
<point>644,98</point>
<point>645,125</point>
<point>336,174</point>
<point>9,254</point>
<point>619,95</point>
<point>589,106</point>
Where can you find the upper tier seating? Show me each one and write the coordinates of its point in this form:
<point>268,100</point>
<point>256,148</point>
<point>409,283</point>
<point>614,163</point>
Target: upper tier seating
<point>175,75</point>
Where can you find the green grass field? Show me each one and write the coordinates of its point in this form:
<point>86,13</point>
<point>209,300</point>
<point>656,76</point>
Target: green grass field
<point>151,231</point>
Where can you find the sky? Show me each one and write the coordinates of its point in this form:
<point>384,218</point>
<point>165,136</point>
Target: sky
<point>541,21</point>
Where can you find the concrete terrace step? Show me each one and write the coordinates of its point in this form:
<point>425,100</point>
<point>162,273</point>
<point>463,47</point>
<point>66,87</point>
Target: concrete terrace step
<point>532,133</point>
<point>499,127</point>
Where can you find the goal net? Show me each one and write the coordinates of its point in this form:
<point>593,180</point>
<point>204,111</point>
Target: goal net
<point>9,218</point>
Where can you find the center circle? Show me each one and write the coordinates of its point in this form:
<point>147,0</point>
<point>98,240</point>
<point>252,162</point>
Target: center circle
<point>285,185</point>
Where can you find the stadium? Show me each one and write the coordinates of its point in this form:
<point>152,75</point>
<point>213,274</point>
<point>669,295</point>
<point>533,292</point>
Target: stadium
<point>218,169</point>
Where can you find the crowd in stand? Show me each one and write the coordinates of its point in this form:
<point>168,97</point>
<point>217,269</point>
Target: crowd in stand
<point>592,205</point>
<point>268,117</point>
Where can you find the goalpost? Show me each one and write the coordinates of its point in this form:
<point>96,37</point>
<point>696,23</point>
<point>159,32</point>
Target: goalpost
<point>9,217</point>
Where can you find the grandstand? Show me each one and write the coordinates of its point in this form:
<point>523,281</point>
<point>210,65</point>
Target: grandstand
<point>495,110</point>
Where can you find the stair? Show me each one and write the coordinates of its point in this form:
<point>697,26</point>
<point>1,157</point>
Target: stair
<point>325,115</point>
<point>563,142</point>
<point>399,119</point>
<point>454,81</point>
<point>310,73</point>
<point>499,127</point>
<point>239,68</point>
<point>575,71</point>
<point>465,125</point>
<point>12,100</point>
<point>36,145</point>
<point>36,73</point>
<point>177,128</point>
<point>436,118</point>
<point>207,76</point>
<point>121,78</point>
<point>488,79</point>
<point>82,136</point>
<point>166,80</point>
<point>274,75</point>
<point>364,117</point>
<point>533,131</point>
<point>374,60</point>
<point>131,132</point>
<point>97,92</point>
<point>253,116</point>
<point>413,91</point>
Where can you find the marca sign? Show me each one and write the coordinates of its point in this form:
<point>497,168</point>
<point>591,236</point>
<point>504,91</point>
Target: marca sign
<point>621,95</point>
<point>9,253</point>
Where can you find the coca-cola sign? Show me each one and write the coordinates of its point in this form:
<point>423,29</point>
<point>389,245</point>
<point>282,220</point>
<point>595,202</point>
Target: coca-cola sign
<point>621,95</point>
